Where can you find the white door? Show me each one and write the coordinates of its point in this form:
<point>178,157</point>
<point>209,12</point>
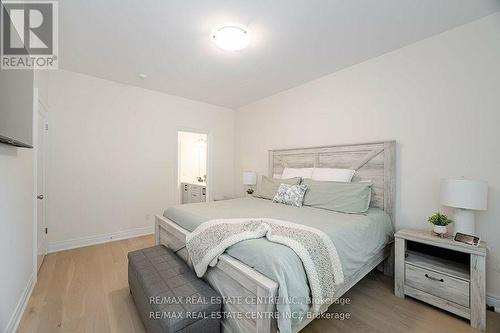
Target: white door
<point>42,131</point>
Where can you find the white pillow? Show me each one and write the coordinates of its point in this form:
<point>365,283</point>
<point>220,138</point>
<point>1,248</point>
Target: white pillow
<point>332,174</point>
<point>297,172</point>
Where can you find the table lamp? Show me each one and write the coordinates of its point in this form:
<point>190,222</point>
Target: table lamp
<point>466,196</point>
<point>249,180</point>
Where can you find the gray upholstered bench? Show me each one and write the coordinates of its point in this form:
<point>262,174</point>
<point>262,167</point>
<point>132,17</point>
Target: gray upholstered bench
<point>168,294</point>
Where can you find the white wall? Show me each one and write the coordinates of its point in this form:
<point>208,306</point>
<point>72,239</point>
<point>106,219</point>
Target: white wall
<point>439,98</point>
<point>16,223</point>
<point>16,229</point>
<point>113,154</point>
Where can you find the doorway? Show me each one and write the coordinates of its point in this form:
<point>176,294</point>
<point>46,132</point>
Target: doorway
<point>192,166</point>
<point>41,171</point>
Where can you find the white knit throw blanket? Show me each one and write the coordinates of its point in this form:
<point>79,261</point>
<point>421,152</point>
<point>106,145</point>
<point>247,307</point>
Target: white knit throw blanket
<point>316,250</point>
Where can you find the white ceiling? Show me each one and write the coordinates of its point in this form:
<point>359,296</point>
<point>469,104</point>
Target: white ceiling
<point>293,41</point>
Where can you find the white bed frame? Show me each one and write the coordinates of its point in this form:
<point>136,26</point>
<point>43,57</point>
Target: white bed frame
<point>231,278</point>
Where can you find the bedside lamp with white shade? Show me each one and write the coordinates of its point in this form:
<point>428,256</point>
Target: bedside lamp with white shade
<point>466,196</point>
<point>249,180</point>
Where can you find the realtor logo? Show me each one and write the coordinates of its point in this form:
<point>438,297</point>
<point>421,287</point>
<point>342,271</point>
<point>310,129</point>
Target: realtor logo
<point>29,35</point>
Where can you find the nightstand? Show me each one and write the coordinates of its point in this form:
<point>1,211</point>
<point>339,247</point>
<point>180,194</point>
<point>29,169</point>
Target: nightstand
<point>442,272</point>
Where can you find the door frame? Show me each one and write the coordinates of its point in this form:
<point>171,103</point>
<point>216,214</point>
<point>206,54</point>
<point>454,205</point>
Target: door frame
<point>209,161</point>
<point>36,114</point>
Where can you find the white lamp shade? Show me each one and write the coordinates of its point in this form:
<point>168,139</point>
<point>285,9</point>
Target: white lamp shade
<point>464,193</point>
<point>249,178</point>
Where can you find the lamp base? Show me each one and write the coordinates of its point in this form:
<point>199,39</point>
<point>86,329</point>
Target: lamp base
<point>464,221</point>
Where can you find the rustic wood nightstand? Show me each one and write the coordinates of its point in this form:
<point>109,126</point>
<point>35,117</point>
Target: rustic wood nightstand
<point>442,272</point>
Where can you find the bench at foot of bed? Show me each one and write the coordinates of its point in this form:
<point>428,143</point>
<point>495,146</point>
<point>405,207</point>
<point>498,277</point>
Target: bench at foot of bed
<point>169,296</point>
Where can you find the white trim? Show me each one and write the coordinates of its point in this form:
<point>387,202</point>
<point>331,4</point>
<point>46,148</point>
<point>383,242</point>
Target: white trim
<point>15,319</point>
<point>493,300</point>
<point>99,239</point>
<point>39,112</point>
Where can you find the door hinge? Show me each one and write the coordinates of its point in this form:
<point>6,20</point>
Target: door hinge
<point>46,230</point>
<point>46,127</point>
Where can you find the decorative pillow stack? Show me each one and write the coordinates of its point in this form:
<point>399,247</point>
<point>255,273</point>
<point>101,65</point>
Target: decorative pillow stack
<point>292,195</point>
<point>341,197</point>
<point>268,186</point>
<point>327,188</point>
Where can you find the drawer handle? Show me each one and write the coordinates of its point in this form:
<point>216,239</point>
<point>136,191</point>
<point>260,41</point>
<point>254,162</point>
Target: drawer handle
<point>433,278</point>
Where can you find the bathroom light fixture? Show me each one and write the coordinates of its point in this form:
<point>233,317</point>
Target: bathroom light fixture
<point>231,37</point>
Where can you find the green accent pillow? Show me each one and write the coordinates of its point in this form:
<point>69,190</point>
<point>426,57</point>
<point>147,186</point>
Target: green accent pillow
<point>268,187</point>
<point>338,196</point>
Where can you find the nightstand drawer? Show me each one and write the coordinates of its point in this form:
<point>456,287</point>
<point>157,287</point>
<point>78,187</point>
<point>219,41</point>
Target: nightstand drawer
<point>440,285</point>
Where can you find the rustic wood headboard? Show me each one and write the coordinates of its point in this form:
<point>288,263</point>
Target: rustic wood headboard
<point>374,161</point>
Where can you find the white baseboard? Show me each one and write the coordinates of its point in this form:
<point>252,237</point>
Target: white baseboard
<point>99,239</point>
<point>493,300</point>
<point>21,305</point>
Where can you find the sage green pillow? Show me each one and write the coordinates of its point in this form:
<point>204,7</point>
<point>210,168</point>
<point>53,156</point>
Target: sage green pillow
<point>268,187</point>
<point>338,196</point>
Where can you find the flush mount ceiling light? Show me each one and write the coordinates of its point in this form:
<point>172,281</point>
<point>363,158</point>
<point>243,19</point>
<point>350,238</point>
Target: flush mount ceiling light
<point>231,37</point>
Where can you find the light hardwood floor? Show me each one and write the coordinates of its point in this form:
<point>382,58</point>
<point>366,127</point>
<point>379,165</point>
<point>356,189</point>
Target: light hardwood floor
<point>86,290</point>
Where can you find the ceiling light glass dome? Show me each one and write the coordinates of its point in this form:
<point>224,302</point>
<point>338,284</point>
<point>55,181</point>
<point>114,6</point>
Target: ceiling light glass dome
<point>231,37</point>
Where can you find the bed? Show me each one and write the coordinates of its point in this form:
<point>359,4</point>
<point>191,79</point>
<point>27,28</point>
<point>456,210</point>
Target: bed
<point>248,271</point>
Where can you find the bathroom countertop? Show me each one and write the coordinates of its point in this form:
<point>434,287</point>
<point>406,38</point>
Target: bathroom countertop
<point>193,182</point>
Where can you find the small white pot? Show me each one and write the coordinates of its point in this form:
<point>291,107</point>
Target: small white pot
<point>440,229</point>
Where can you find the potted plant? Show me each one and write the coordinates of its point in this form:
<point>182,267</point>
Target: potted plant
<point>440,221</point>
